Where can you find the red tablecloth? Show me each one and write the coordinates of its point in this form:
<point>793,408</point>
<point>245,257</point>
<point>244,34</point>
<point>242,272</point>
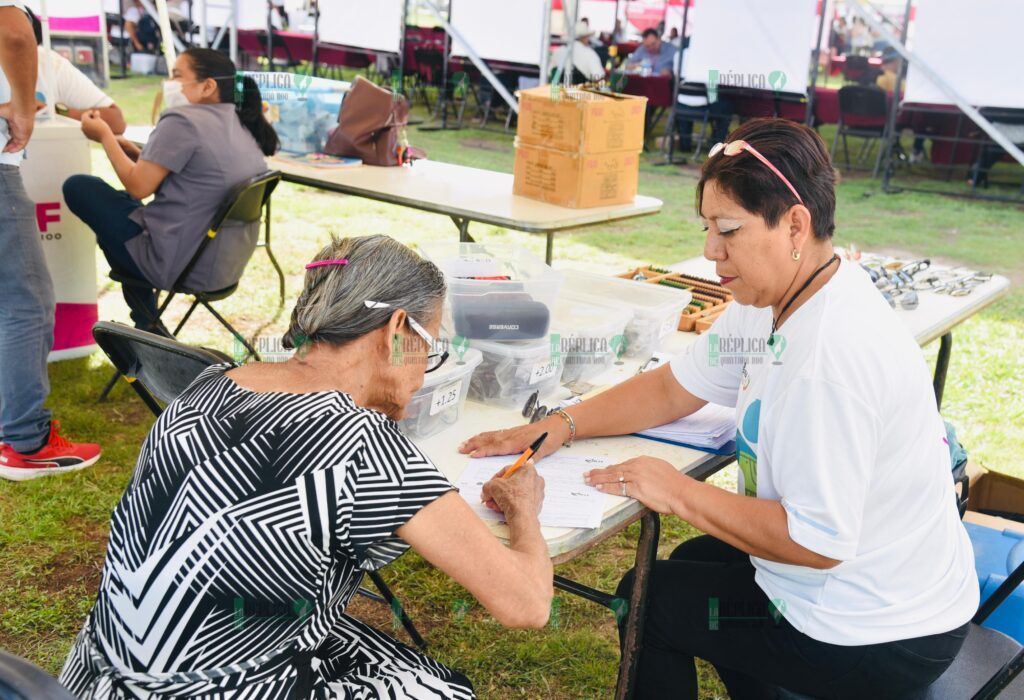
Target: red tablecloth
<point>656,88</point>
<point>300,44</point>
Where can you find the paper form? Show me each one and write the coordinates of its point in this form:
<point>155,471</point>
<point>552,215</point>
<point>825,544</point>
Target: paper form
<point>568,501</point>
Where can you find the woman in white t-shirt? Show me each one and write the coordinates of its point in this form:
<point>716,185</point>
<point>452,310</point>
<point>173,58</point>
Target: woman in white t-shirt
<point>841,568</point>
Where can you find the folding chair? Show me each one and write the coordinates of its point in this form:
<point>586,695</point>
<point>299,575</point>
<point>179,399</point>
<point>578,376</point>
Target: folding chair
<point>23,680</point>
<point>243,204</point>
<point>863,113</point>
<point>159,369</point>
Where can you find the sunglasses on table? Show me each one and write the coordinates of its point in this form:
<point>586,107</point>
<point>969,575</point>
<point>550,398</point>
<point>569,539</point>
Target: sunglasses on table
<point>434,359</point>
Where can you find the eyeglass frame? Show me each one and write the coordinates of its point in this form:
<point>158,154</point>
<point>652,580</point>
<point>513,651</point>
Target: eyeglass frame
<point>724,147</point>
<point>419,330</point>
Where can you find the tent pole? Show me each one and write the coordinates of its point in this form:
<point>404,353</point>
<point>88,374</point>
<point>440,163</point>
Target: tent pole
<point>809,118</point>
<point>890,123</point>
<point>545,54</point>
<point>316,38</point>
<point>233,33</point>
<point>270,36</point>
<point>442,95</point>
<point>204,39</point>
<point>670,132</point>
<point>401,48</point>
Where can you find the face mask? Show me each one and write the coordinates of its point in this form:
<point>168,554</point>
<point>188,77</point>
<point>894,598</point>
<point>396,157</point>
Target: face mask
<point>174,95</point>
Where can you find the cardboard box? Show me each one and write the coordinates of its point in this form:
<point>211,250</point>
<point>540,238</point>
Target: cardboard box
<point>573,179</point>
<point>996,491</point>
<point>581,121</point>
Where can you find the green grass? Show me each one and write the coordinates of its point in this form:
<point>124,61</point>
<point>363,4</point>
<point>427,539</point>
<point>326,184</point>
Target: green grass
<point>53,531</point>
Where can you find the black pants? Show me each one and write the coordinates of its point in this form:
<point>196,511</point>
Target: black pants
<point>106,210</point>
<point>703,601</point>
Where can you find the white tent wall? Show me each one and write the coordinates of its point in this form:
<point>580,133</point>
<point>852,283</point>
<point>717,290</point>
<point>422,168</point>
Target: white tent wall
<point>974,47</point>
<point>766,39</point>
<point>500,30</point>
<point>68,8</point>
<point>373,25</point>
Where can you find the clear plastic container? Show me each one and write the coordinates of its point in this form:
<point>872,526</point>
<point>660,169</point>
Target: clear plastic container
<point>511,371</point>
<point>655,309</point>
<point>589,335</point>
<point>440,401</point>
<point>497,309</point>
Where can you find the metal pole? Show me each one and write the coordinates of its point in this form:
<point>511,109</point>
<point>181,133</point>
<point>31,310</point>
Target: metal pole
<point>814,69</point>
<point>270,36</point>
<point>316,37</point>
<point>204,38</point>
<point>124,37</point>
<point>890,123</point>
<point>671,135</point>
<point>545,54</point>
<point>233,32</point>
<point>569,68</point>
<point>401,47</point>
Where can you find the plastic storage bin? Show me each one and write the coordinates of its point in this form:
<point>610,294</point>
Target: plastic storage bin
<point>517,308</point>
<point>589,335</point>
<point>439,402</point>
<point>511,371</point>
<point>655,310</point>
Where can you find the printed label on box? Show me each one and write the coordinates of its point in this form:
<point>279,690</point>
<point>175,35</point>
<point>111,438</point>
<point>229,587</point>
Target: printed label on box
<point>445,397</point>
<point>670,324</point>
<point>474,265</point>
<point>542,371</point>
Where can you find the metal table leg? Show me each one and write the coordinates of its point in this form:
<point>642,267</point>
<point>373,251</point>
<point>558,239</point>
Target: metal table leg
<point>549,250</point>
<point>463,226</point>
<point>646,553</point>
<point>941,366</point>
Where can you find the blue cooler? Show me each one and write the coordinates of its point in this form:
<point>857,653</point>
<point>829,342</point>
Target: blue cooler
<point>996,554</point>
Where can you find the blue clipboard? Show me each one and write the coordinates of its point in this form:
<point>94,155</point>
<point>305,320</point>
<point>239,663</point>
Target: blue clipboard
<point>728,448</point>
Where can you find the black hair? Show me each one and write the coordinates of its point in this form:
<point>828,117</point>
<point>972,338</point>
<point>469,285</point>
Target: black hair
<point>210,64</point>
<point>37,26</point>
<point>798,152</point>
<point>650,31</point>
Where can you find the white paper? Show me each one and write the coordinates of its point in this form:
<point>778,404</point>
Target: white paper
<point>445,396</point>
<point>712,426</point>
<point>568,501</point>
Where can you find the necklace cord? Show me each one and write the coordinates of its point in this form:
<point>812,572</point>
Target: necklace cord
<point>775,321</point>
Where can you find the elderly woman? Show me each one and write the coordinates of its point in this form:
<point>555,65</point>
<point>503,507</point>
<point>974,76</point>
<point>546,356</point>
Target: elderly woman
<point>841,568</point>
<point>264,492</point>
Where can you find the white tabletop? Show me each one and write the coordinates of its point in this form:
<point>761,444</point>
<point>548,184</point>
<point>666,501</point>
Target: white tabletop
<point>452,190</point>
<point>936,314</point>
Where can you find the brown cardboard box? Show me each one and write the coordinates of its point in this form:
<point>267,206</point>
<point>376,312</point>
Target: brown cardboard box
<point>994,491</point>
<point>573,179</point>
<point>594,123</point>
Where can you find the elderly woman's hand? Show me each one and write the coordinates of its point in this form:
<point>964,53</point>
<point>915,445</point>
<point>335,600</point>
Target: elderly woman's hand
<point>652,481</point>
<point>515,440</point>
<point>93,126</point>
<point>518,495</point>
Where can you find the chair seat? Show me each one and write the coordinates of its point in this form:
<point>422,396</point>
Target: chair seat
<point>215,295</point>
<point>984,652</point>
<point>22,679</point>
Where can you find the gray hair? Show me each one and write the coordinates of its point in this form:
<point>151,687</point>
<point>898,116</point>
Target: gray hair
<point>331,307</point>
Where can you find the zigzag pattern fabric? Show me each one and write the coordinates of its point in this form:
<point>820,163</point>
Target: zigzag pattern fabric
<point>235,549</point>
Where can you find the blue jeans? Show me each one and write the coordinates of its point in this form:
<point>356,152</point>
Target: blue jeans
<point>105,210</point>
<point>26,319</point>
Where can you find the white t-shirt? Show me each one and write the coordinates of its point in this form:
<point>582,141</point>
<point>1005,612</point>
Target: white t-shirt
<point>837,420</point>
<point>584,58</point>
<point>67,85</point>
<point>5,96</point>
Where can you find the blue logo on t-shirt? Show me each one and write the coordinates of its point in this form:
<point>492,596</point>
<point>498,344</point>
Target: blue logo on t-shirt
<point>746,446</point>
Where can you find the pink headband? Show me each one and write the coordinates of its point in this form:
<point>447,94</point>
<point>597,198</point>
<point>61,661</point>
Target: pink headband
<point>325,263</point>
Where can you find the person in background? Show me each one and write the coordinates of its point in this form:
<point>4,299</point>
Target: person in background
<point>653,56</point>
<point>69,88</point>
<point>202,147</point>
<point>141,28</point>
<point>890,71</point>
<point>838,36</point>
<point>587,65</point>
<point>673,37</point>
<point>31,442</point>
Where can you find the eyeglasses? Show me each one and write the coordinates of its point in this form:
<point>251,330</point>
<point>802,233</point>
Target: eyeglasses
<point>434,359</point>
<point>733,148</point>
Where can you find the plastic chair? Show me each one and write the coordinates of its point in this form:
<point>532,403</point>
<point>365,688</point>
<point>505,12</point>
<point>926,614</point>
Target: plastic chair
<point>863,113</point>
<point>23,680</point>
<point>243,204</point>
<point>159,369</point>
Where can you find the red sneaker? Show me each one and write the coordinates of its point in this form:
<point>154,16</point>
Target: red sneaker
<point>57,456</point>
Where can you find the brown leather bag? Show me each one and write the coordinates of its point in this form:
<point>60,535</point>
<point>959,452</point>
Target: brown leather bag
<point>370,125</point>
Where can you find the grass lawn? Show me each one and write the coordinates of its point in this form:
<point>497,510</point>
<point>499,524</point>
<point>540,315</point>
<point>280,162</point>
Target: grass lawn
<point>53,531</point>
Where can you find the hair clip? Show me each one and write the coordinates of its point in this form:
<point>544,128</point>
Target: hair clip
<point>325,263</point>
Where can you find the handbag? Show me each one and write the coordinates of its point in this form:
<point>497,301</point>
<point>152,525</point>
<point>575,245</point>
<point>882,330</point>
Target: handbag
<point>371,122</point>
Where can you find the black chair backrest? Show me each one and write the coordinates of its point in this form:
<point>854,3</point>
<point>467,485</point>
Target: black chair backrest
<point>23,680</point>
<point>244,204</point>
<point>156,366</point>
<point>862,101</point>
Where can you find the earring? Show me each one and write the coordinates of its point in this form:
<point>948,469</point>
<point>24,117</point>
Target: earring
<point>795,254</point>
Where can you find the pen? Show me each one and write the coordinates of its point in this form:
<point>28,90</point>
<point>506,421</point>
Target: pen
<point>530,451</point>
